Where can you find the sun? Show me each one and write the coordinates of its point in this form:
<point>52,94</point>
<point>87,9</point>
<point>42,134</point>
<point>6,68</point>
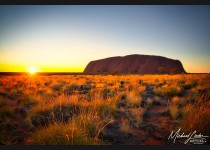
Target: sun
<point>32,70</point>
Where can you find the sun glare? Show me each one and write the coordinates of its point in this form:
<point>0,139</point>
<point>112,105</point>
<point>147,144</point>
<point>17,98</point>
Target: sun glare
<point>32,70</point>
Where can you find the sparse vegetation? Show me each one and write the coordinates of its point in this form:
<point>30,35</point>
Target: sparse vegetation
<point>78,109</point>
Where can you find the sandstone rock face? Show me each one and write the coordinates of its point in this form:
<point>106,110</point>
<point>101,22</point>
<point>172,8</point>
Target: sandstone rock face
<point>144,64</point>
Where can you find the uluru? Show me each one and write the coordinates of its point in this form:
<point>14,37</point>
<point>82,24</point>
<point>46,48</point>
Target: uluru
<point>143,64</point>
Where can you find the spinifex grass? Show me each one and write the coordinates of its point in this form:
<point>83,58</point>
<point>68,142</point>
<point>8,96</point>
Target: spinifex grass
<point>75,109</point>
<point>83,129</point>
<point>196,116</point>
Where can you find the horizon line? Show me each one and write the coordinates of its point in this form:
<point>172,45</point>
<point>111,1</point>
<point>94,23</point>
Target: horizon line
<point>60,72</point>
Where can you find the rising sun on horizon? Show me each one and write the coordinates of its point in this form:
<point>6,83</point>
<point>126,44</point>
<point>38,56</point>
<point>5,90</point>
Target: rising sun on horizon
<point>32,70</point>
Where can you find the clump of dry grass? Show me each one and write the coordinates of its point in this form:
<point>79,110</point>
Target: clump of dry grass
<point>190,85</point>
<point>134,99</point>
<point>196,116</point>
<point>125,126</point>
<point>43,116</point>
<point>176,100</point>
<point>180,101</point>
<point>174,111</point>
<point>83,129</point>
<point>105,110</point>
<point>86,121</point>
<point>63,134</point>
<point>169,91</point>
<point>149,102</point>
<point>136,116</point>
<point>158,91</point>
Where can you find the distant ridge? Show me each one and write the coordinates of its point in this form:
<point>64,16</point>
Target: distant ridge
<point>144,64</point>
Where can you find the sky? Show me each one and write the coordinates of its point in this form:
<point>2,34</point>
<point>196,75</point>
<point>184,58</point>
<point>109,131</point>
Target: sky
<point>65,38</point>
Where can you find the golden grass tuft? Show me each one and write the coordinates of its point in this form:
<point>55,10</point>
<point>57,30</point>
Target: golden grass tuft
<point>196,116</point>
<point>83,129</point>
<point>168,90</point>
<point>174,111</point>
<point>136,117</point>
<point>125,126</point>
<point>134,98</point>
